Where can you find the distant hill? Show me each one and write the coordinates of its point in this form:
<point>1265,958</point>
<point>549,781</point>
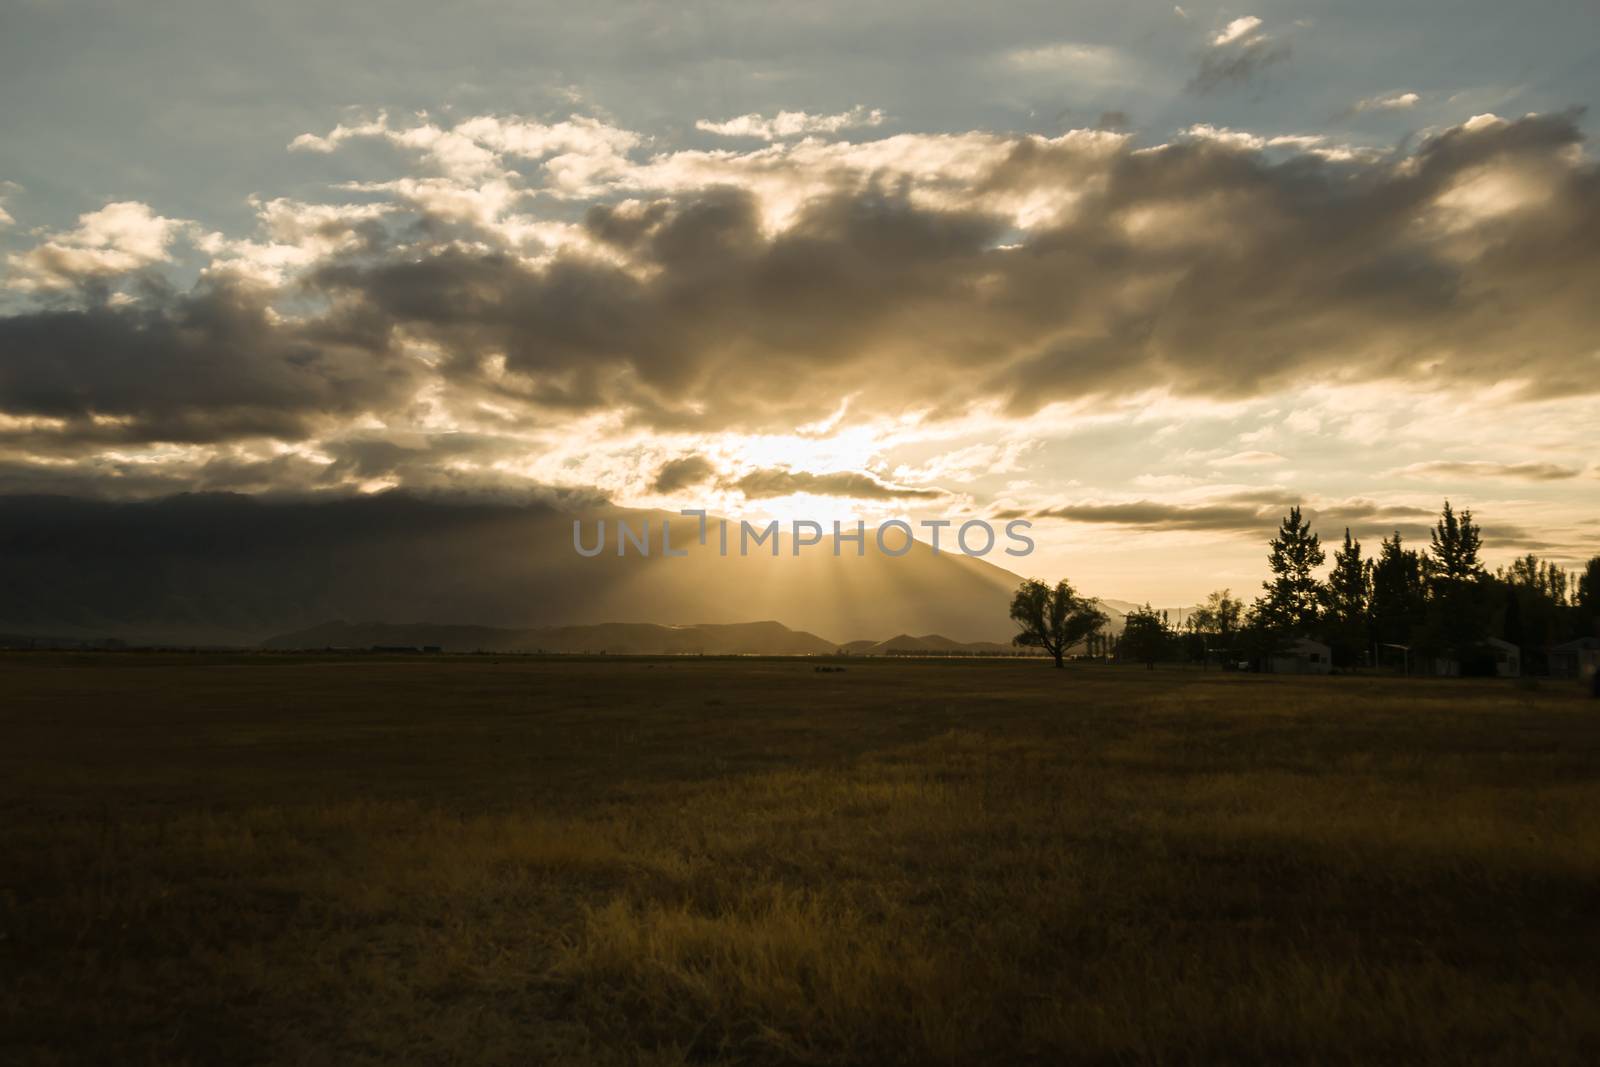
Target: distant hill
<point>1117,612</point>
<point>902,644</point>
<point>751,638</point>
<point>754,638</point>
<point>225,569</point>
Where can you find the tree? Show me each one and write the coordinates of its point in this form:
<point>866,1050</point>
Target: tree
<point>1538,576</point>
<point>1458,604</point>
<point>1264,635</point>
<point>1589,588</point>
<point>1146,636</point>
<point>1217,621</point>
<point>1294,595</point>
<point>1455,547</point>
<point>1053,619</point>
<point>1399,592</point>
<point>1349,597</point>
<point>1536,613</point>
<point>1349,583</point>
<point>1460,595</point>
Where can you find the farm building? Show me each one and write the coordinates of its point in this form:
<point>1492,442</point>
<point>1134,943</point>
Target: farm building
<point>1507,660</point>
<point>1576,659</point>
<point>1304,656</point>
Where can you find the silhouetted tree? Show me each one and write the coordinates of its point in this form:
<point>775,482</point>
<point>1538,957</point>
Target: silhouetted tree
<point>1146,636</point>
<point>1265,634</point>
<point>1541,576</point>
<point>1349,598</point>
<point>1540,607</point>
<point>1399,592</point>
<point>1053,619</point>
<point>1216,623</point>
<point>1294,595</point>
<point>1511,628</point>
<point>1458,602</point>
<point>1455,547</point>
<point>1589,589</point>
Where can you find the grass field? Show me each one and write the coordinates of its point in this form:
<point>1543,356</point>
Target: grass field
<point>469,860</point>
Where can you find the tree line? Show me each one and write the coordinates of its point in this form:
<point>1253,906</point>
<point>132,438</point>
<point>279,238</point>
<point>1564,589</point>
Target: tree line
<point>1413,604</point>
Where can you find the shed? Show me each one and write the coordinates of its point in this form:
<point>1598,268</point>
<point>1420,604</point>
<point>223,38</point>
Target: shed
<point>1304,656</point>
<point>1507,658</point>
<point>1576,659</point>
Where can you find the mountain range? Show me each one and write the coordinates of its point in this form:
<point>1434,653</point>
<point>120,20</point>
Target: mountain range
<point>236,570</point>
<point>754,638</point>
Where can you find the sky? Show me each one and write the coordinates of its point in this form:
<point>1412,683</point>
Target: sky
<point>1144,274</point>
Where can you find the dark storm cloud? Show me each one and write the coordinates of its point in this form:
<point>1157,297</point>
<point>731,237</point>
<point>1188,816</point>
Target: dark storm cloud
<point>1531,472</point>
<point>1246,512</point>
<point>1153,515</point>
<point>418,463</point>
<point>1256,513</point>
<point>681,473</point>
<point>727,326</point>
<point>211,365</point>
<point>1265,273</point>
<point>378,455</point>
<point>1201,267</point>
<point>772,482</point>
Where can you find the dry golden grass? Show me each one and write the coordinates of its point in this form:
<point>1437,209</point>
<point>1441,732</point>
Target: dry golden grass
<point>476,861</point>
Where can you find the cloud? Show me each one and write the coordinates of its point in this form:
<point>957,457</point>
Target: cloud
<point>972,462</point>
<point>775,481</point>
<point>1237,55</point>
<point>310,142</point>
<point>924,277</point>
<point>121,237</point>
<point>786,124</point>
<point>700,315</point>
<point>574,154</point>
<point>1087,62</point>
<point>1313,144</point>
<point>1151,515</point>
<point>681,473</point>
<point>294,235</point>
<point>1235,30</point>
<point>211,365</point>
<point>1392,102</point>
<point>1248,459</point>
<point>1530,472</point>
<point>1255,515</point>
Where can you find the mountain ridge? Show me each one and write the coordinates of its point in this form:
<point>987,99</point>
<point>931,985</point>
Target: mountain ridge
<point>766,637</point>
<point>228,569</point>
<point>231,570</point>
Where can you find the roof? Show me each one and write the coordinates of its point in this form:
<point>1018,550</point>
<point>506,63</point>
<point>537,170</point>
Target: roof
<point>1582,644</point>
